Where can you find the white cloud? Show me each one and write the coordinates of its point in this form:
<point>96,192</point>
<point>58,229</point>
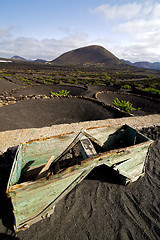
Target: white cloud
<point>126,11</point>
<point>6,32</point>
<point>135,28</point>
<point>32,48</point>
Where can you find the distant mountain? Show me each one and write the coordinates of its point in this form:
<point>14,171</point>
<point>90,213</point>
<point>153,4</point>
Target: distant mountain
<point>24,59</point>
<point>87,55</point>
<point>156,65</point>
<point>40,60</point>
<point>143,65</point>
<point>127,62</point>
<point>18,58</point>
<point>148,65</point>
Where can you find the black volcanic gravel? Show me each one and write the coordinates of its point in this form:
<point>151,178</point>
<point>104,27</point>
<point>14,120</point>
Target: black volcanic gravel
<point>47,112</point>
<point>47,89</point>
<point>151,132</point>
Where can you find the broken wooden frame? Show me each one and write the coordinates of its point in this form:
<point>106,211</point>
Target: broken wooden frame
<point>65,160</point>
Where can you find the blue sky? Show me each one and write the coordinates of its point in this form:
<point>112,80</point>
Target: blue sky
<point>47,28</point>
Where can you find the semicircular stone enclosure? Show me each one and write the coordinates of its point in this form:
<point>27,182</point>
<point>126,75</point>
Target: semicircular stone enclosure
<point>46,112</point>
<point>146,105</point>
<point>47,89</point>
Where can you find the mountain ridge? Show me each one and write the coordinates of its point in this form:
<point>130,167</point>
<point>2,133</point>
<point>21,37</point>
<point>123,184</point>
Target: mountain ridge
<point>143,64</point>
<point>18,58</point>
<point>93,54</point>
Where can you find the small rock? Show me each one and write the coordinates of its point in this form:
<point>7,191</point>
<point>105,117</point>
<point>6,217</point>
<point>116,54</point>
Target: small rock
<point>12,102</point>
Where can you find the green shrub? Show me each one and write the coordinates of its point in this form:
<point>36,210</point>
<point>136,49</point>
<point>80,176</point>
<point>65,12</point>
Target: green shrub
<point>139,85</point>
<point>151,90</point>
<point>76,82</point>
<point>61,83</point>
<point>60,93</point>
<point>6,75</point>
<point>124,105</point>
<point>71,81</point>
<point>126,86</point>
<point>79,71</point>
<point>29,83</point>
<point>22,79</point>
<point>150,76</point>
<point>41,78</point>
<point>33,79</point>
<point>101,84</point>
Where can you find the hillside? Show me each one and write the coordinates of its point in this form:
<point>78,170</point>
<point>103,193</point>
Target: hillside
<point>87,55</point>
<point>18,58</point>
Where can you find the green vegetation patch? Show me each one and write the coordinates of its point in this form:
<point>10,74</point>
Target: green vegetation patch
<point>124,105</point>
<point>22,79</point>
<point>29,83</point>
<point>60,93</point>
<point>6,75</point>
<point>127,86</point>
<point>151,90</point>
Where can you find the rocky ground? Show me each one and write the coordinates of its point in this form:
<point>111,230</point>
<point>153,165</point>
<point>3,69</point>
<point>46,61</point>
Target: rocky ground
<point>152,132</point>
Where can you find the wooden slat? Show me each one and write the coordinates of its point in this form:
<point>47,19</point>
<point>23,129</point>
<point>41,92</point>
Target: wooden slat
<point>87,148</point>
<point>44,171</point>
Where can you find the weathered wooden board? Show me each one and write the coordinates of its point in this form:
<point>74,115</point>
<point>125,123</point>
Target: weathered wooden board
<point>38,152</point>
<point>121,147</point>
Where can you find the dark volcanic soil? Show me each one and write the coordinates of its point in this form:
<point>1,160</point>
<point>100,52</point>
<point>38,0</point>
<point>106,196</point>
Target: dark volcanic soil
<point>6,86</point>
<point>47,112</point>
<point>47,89</point>
<point>99,207</point>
